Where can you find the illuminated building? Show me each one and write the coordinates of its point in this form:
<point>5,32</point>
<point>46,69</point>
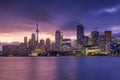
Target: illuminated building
<point>80,34</point>
<point>89,40</point>
<point>76,45</point>
<point>108,35</point>
<point>114,39</point>
<point>47,44</point>
<point>66,45</point>
<point>91,50</point>
<point>108,39</point>
<point>95,37</point>
<point>58,40</point>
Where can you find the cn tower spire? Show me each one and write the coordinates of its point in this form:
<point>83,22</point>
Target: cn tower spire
<point>37,30</point>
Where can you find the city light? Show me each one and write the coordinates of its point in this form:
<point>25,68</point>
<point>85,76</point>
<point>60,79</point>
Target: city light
<point>84,45</point>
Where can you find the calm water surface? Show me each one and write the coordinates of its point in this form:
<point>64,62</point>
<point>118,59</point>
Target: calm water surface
<point>59,68</point>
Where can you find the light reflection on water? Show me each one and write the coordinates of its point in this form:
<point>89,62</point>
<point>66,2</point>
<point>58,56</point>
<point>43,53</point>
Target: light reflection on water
<point>59,68</point>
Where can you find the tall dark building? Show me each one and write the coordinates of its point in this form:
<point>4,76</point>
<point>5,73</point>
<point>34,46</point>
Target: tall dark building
<point>58,40</point>
<point>48,44</point>
<point>25,40</point>
<point>102,42</point>
<point>80,34</point>
<point>86,40</point>
<point>95,38</point>
<point>33,38</point>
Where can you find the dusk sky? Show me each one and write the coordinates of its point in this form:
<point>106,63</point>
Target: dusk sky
<point>18,17</point>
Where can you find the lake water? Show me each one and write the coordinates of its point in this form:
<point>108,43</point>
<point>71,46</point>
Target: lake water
<point>59,68</point>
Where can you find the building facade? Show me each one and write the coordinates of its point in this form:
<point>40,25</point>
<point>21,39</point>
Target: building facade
<point>33,38</point>
<point>108,35</point>
<point>80,34</point>
<point>58,40</point>
<point>47,47</point>
<point>66,45</point>
<point>95,38</point>
<point>25,40</point>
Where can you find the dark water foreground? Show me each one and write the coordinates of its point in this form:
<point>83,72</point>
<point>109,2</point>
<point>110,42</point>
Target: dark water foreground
<point>59,68</point>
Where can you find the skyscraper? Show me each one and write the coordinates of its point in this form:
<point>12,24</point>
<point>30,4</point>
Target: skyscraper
<point>25,40</point>
<point>86,40</point>
<point>95,37</point>
<point>33,40</point>
<point>102,43</point>
<point>80,34</point>
<point>37,31</point>
<point>48,44</point>
<point>58,40</point>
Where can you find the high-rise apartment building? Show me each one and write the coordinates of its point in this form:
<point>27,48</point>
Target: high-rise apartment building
<point>33,40</point>
<point>95,38</point>
<point>58,40</point>
<point>47,44</point>
<point>80,34</point>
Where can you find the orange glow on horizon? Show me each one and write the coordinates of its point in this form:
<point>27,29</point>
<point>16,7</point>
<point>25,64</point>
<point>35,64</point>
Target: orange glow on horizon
<point>19,37</point>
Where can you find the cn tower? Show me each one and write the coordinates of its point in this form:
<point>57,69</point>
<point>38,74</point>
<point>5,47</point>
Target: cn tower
<point>37,31</point>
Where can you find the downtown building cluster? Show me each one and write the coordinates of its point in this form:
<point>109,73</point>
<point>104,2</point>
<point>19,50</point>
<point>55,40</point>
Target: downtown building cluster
<point>94,44</point>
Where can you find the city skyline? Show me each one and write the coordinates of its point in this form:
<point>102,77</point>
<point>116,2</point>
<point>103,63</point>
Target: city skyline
<point>18,18</point>
<point>59,39</point>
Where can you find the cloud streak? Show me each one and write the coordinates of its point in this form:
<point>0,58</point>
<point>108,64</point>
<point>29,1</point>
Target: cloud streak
<point>21,15</point>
